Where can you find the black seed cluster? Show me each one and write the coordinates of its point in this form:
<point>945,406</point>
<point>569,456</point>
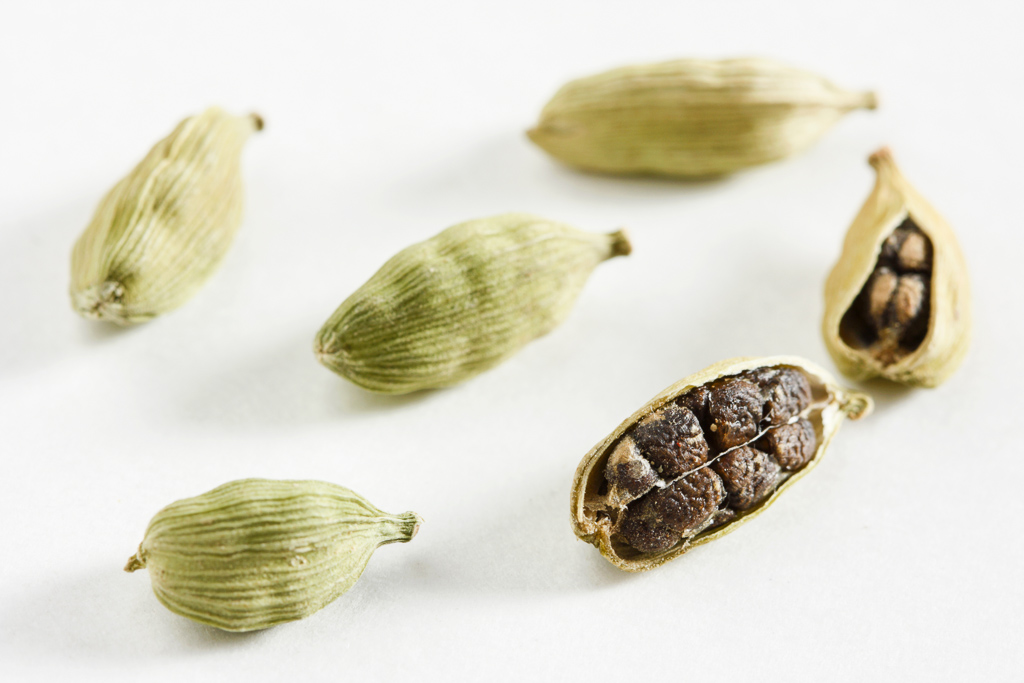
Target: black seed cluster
<point>718,449</point>
<point>890,315</point>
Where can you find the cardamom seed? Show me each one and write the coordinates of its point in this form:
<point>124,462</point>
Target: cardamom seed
<point>446,309</point>
<point>897,303</point>
<point>257,552</point>
<point>164,228</point>
<point>706,455</point>
<point>691,117</point>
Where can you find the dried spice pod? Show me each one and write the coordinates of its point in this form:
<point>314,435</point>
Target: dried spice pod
<point>640,513</point>
<point>163,229</point>
<point>258,552</point>
<point>446,309</point>
<point>897,302</point>
<point>691,117</point>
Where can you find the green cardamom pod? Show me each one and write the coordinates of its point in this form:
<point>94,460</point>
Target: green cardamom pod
<point>706,455</point>
<point>691,117</point>
<point>898,300</point>
<point>164,228</point>
<point>257,552</point>
<point>446,309</point>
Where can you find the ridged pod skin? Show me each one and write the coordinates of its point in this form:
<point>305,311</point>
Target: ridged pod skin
<point>163,229</point>
<point>444,310</point>
<point>691,117</point>
<point>257,552</point>
<point>944,346</point>
<point>590,521</point>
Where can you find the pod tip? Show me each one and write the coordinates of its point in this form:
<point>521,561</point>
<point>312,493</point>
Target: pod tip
<point>621,246</point>
<point>257,121</point>
<point>881,157</point>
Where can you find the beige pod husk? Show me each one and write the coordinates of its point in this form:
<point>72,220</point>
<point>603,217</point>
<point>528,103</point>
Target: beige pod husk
<point>945,343</point>
<point>258,552</point>
<point>592,519</point>
<point>162,230</point>
<point>444,310</point>
<point>691,117</point>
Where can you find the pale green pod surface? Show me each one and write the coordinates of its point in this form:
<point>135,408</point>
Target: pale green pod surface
<point>459,303</point>
<point>898,300</point>
<point>163,229</point>
<point>691,117</point>
<point>257,552</point>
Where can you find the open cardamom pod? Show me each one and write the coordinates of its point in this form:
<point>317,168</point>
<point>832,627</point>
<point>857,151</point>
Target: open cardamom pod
<point>707,454</point>
<point>897,302</point>
<point>164,228</point>
<point>255,553</point>
<point>446,309</point>
<point>691,117</point>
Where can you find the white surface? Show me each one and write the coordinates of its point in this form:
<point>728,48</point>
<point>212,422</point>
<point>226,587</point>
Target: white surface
<point>900,557</point>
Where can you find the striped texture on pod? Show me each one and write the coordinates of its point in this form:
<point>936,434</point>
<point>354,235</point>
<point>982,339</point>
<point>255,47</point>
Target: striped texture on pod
<point>256,552</point>
<point>706,455</point>
<point>691,117</point>
<point>898,301</point>
<point>163,229</point>
<point>446,309</point>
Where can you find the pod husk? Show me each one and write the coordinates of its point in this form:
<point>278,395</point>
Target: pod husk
<point>258,552</point>
<point>892,200</point>
<point>160,233</point>
<point>691,118</point>
<point>842,404</point>
<point>459,303</point>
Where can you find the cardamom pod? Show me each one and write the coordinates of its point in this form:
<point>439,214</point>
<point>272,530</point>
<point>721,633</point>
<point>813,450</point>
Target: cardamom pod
<point>163,229</point>
<point>898,303</point>
<point>255,553</point>
<point>446,309</point>
<point>691,117</point>
<point>706,455</point>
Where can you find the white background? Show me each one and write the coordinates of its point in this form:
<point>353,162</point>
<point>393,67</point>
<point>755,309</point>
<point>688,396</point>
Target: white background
<point>900,557</point>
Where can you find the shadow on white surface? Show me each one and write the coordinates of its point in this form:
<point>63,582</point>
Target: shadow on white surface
<point>281,386</point>
<point>105,614</point>
<point>506,167</point>
<point>40,328</point>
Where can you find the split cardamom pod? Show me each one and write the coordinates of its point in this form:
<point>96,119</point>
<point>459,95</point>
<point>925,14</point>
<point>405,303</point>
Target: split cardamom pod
<point>704,456</point>
<point>691,117</point>
<point>164,228</point>
<point>255,553</point>
<point>446,309</point>
<point>898,303</point>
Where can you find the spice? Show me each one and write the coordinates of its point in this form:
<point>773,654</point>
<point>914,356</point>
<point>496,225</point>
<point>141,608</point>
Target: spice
<point>446,309</point>
<point>897,303</point>
<point>163,229</point>
<point>691,117</point>
<point>257,552</point>
<point>704,456</point>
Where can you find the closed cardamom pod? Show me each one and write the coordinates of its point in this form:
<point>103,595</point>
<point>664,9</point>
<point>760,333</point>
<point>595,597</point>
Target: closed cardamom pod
<point>257,552</point>
<point>898,302</point>
<point>461,302</point>
<point>691,117</point>
<point>164,228</point>
<point>706,455</point>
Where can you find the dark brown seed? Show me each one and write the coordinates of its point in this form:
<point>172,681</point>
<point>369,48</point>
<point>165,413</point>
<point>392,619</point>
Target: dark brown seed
<point>696,401</point>
<point>791,445</point>
<point>627,474</point>
<point>658,520</point>
<point>786,395</point>
<point>748,474</point>
<point>672,441</point>
<point>915,253</point>
<point>734,408</point>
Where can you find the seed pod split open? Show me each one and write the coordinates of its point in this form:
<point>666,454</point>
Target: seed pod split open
<point>897,302</point>
<point>160,232</point>
<point>446,309</point>
<point>691,117</point>
<point>256,552</point>
<point>706,455</point>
